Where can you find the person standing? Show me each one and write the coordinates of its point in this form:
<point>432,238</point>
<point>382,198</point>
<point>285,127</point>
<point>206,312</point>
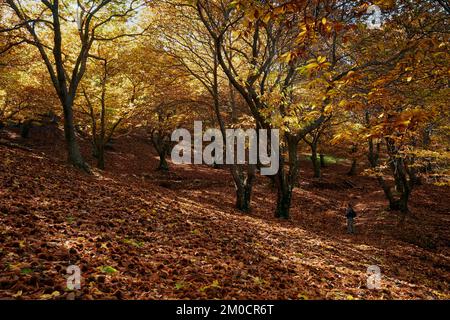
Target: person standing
<point>350,214</point>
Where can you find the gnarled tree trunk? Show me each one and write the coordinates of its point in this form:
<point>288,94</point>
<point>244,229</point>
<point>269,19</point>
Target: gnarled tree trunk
<point>161,143</point>
<point>244,185</point>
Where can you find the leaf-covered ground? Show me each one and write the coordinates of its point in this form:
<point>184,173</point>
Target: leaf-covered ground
<point>140,234</point>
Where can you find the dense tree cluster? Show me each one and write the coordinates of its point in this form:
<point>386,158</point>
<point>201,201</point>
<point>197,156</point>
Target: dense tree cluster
<point>312,69</point>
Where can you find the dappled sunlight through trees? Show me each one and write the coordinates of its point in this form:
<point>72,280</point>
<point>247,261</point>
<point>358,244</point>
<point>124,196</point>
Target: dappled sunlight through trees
<point>93,92</point>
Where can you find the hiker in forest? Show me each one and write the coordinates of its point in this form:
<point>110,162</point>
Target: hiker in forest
<point>350,214</point>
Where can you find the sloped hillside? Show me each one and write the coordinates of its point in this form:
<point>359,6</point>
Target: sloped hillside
<point>142,234</point>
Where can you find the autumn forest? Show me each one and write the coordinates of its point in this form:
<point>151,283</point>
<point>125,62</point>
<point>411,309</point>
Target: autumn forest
<point>224,149</point>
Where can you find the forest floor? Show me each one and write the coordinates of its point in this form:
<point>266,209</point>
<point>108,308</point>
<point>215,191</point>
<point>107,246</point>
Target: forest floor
<point>137,233</point>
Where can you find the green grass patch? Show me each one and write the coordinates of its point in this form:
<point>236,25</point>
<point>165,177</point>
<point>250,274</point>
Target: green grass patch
<point>26,271</point>
<point>107,269</point>
<point>328,159</point>
<point>134,243</point>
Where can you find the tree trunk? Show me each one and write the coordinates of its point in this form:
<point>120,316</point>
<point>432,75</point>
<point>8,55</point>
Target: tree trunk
<point>101,145</point>
<point>352,171</point>
<point>373,156</point>
<point>286,181</point>
<point>393,204</point>
<point>244,186</point>
<point>75,157</point>
<point>242,181</point>
<point>161,146</point>
<point>163,166</point>
<point>284,197</point>
<point>233,103</point>
<point>403,203</point>
<point>101,156</point>
<point>322,160</point>
<point>25,129</point>
<point>426,135</point>
<point>315,162</point>
<point>94,147</point>
<point>243,197</point>
<point>399,169</point>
